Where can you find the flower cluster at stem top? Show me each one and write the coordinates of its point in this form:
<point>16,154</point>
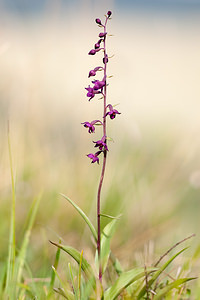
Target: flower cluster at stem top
<point>99,87</point>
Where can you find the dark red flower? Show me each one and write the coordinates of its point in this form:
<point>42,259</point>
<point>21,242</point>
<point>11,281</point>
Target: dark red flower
<point>91,125</point>
<point>112,113</point>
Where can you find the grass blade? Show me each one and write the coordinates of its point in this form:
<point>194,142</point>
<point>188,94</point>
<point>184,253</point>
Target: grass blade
<point>157,273</point>
<point>85,266</point>
<point>12,246</point>
<point>79,275</point>
<point>53,275</point>
<point>110,217</point>
<point>124,280</point>
<point>171,286</point>
<point>83,215</point>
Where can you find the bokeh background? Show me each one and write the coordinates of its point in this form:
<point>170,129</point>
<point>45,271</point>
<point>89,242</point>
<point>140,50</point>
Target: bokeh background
<point>153,171</point>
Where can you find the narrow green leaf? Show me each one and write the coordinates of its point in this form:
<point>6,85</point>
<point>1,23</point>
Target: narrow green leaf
<point>106,236</point>
<point>83,215</point>
<point>12,246</point>
<point>171,286</point>
<point>79,275</point>
<point>85,266</point>
<point>110,217</point>
<point>64,291</point>
<point>57,257</point>
<point>157,273</point>
<point>2,278</point>
<point>124,280</point>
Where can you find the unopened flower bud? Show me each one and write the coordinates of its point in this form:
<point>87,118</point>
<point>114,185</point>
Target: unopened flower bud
<point>102,34</point>
<point>92,73</point>
<point>105,59</point>
<point>97,45</point>
<point>92,52</point>
<point>98,21</point>
<point>109,13</point>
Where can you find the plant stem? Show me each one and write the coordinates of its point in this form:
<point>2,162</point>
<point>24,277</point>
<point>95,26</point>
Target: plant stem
<point>104,163</point>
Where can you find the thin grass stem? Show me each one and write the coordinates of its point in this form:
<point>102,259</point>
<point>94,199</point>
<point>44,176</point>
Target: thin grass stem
<point>12,245</point>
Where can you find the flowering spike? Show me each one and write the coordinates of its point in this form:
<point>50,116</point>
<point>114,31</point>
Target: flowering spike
<point>100,87</point>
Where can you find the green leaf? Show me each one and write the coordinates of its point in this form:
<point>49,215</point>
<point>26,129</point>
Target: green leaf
<point>124,280</point>
<point>79,275</point>
<point>55,267</point>
<point>171,286</point>
<point>157,273</point>
<point>106,236</point>
<point>12,245</point>
<point>85,266</point>
<point>83,215</point>
<point>110,217</point>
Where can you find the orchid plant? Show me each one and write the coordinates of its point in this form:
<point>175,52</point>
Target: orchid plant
<point>100,87</point>
<point>137,283</point>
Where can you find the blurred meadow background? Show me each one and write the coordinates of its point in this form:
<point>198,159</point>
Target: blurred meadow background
<point>153,170</point>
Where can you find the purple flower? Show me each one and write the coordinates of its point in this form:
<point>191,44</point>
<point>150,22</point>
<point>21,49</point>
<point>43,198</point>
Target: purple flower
<point>90,93</point>
<point>109,13</point>
<point>94,157</point>
<point>102,34</point>
<point>98,84</point>
<point>101,144</point>
<point>98,21</point>
<point>112,113</point>
<point>91,125</point>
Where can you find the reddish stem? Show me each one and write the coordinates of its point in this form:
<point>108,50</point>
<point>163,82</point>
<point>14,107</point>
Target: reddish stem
<point>104,165</point>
